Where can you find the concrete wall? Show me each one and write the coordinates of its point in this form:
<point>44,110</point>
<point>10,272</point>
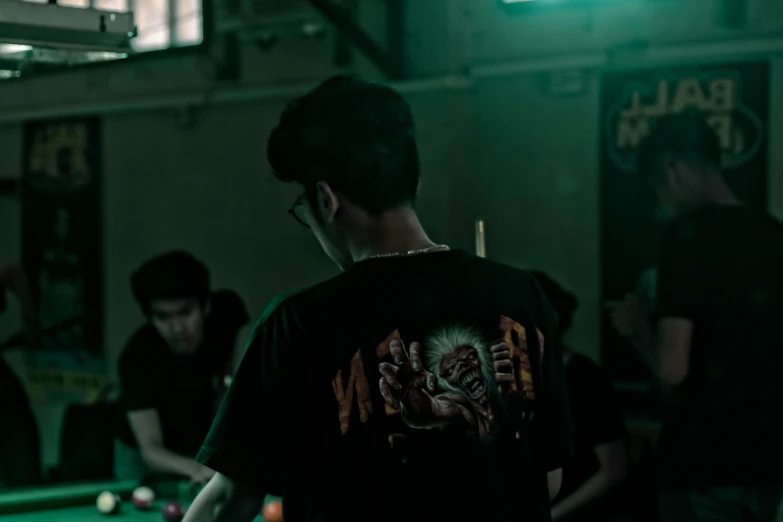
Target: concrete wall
<point>495,142</point>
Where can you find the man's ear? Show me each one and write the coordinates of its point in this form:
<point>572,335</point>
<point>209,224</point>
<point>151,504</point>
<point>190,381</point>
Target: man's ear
<point>327,201</point>
<point>208,307</point>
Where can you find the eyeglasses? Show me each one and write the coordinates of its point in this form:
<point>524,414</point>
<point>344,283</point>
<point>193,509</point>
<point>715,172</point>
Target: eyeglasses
<point>296,208</point>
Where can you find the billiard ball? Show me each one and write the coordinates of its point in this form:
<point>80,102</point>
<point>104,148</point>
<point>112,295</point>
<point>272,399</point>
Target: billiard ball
<point>108,503</point>
<point>273,511</point>
<point>173,512</point>
<point>143,498</point>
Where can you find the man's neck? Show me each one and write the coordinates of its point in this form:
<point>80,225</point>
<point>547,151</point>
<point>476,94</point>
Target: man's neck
<point>394,232</point>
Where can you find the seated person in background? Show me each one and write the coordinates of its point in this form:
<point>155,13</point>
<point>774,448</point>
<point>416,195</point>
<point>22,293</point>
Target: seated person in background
<point>173,370</point>
<point>20,446</point>
<point>600,464</point>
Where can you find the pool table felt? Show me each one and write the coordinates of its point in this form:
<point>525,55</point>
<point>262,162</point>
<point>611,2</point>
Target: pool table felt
<point>90,514</point>
<point>76,503</point>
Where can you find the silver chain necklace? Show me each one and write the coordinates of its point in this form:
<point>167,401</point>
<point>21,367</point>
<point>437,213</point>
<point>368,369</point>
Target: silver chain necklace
<point>426,250</point>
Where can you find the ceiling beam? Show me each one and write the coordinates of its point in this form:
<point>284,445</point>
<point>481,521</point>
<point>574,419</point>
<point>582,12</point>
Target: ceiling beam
<point>389,59</point>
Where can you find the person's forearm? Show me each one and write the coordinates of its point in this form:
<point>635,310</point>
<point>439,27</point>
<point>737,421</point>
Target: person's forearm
<point>222,500</point>
<point>592,490</point>
<point>554,480</point>
<point>164,461</point>
<point>645,345</point>
<point>206,504</point>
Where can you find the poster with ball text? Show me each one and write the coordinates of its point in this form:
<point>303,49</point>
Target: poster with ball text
<point>734,100</point>
<point>61,235</point>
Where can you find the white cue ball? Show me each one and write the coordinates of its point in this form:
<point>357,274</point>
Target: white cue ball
<point>108,503</point>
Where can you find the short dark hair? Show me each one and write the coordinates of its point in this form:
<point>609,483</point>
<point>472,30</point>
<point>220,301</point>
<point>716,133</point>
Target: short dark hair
<point>564,302</point>
<point>174,275</point>
<point>353,134</point>
<point>685,137</point>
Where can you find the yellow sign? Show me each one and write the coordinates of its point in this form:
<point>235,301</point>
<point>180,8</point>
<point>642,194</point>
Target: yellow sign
<point>54,384</point>
<point>59,155</point>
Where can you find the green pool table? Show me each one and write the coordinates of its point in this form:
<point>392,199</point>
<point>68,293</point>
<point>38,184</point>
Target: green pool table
<point>76,503</point>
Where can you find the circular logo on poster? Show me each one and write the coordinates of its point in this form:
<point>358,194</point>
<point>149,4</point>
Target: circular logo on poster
<point>718,95</point>
<point>59,158</point>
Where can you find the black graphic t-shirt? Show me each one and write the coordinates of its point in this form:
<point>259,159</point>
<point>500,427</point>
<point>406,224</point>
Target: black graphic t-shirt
<point>722,268</point>
<point>419,388</point>
<point>183,389</point>
<point>598,420</point>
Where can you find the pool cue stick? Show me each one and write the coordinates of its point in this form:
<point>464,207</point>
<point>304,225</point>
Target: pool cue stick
<point>481,246</point>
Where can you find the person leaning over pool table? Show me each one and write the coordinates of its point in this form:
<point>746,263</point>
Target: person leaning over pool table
<point>173,368</point>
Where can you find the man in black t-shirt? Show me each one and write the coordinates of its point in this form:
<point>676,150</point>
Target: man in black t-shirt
<point>173,369</point>
<point>718,343</point>
<point>592,480</point>
<point>420,384</point>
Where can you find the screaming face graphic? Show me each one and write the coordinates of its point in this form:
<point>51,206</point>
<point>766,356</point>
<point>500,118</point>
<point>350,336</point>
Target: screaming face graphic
<point>461,368</point>
<point>453,390</point>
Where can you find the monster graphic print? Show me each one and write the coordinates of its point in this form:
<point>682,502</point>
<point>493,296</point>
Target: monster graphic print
<point>452,380</point>
<point>445,382</point>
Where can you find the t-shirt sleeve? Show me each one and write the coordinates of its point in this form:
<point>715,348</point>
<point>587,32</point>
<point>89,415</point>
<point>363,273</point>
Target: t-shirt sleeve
<point>680,272</point>
<point>595,406</point>
<point>247,441</point>
<point>553,416</point>
<point>136,384</point>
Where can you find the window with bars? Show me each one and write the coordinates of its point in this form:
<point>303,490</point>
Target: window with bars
<point>160,24</point>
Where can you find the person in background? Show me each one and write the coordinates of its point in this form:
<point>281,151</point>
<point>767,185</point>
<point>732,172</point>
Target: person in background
<point>593,478</point>
<point>717,339</point>
<point>173,368</point>
<point>20,444</point>
<point>420,384</point>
